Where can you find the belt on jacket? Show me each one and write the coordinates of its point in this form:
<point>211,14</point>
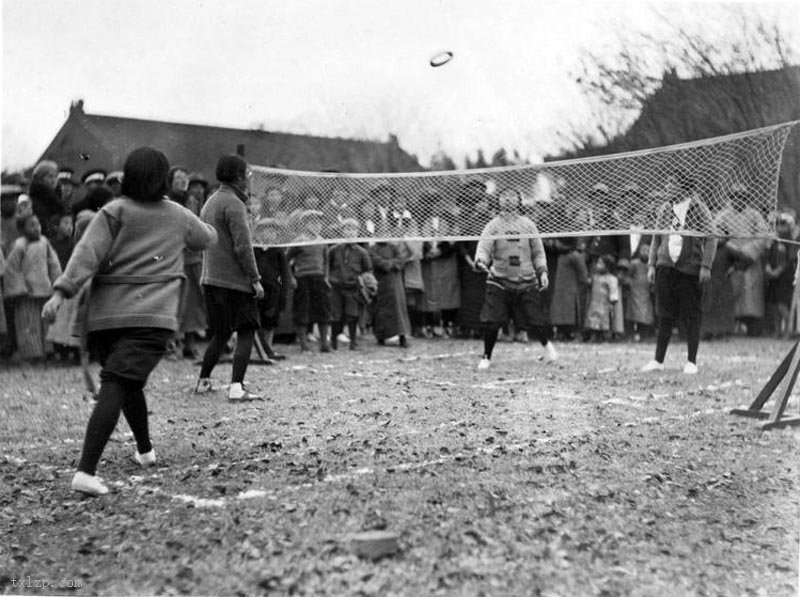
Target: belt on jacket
<point>137,278</point>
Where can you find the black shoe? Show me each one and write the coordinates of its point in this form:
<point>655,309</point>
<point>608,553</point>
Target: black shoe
<point>274,356</point>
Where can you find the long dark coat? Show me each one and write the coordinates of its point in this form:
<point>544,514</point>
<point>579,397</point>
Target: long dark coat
<point>569,290</point>
<point>391,314</point>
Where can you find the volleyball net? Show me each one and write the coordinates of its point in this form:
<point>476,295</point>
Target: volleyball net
<point>735,176</point>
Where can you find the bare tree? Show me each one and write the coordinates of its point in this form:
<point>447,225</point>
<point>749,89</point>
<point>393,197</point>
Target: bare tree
<point>622,83</point>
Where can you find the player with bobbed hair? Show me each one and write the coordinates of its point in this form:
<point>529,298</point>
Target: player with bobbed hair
<point>132,251</point>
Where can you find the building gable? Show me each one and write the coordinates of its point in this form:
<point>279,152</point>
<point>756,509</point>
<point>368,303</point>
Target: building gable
<point>88,141</point>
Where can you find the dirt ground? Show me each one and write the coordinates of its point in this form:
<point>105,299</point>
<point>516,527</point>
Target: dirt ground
<point>582,477</point>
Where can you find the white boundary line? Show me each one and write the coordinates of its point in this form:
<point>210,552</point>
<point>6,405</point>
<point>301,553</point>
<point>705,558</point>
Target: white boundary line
<point>201,502</point>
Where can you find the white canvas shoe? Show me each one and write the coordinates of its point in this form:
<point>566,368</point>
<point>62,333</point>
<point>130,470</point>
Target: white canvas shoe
<point>484,364</point>
<point>652,366</point>
<point>146,459</point>
<point>690,368</point>
<point>88,484</point>
<point>240,393</point>
<point>552,353</point>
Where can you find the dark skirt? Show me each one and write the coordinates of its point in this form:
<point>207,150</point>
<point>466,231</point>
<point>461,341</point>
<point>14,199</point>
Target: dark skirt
<point>129,353</point>
<point>230,310</point>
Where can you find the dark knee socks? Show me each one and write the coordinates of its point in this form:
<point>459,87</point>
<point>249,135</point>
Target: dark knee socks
<point>212,354</point>
<point>241,357</point>
<point>135,411</point>
<point>489,340</point>
<point>116,395</point>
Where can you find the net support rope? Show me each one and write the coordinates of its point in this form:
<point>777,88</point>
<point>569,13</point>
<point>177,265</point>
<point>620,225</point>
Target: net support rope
<point>735,177</point>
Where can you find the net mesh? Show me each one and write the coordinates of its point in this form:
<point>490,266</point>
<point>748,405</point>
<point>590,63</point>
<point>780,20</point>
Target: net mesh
<point>736,176</point>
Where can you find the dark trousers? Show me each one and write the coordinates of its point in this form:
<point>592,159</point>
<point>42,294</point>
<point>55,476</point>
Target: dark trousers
<point>678,298</point>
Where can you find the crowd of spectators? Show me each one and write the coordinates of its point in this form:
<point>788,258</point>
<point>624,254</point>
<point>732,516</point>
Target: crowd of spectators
<point>599,289</point>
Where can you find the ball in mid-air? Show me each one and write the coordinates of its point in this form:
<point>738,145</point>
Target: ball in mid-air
<point>441,58</point>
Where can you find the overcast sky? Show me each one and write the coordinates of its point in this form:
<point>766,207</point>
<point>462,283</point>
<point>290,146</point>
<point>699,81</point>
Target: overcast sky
<point>352,68</point>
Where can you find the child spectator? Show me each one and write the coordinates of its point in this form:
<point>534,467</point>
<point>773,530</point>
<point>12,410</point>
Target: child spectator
<point>348,261</point>
<point>311,302</point>
<point>133,251</point>
<point>276,277</point>
<point>639,306</point>
<point>602,300</point>
<point>60,333</point>
<point>779,272</point>
<point>30,272</point>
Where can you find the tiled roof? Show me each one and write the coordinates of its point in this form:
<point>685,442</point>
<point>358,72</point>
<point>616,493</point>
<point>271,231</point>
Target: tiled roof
<point>90,140</point>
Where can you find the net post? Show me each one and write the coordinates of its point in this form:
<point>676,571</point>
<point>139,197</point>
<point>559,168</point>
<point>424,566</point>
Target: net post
<point>785,374</point>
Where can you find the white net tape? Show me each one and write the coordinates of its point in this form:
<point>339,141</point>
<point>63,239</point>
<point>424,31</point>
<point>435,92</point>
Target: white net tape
<point>736,176</point>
